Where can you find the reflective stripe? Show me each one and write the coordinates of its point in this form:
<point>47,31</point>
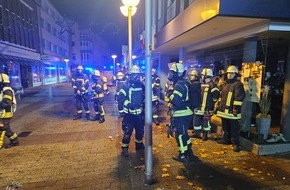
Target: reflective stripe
<point>238,103</point>
<point>2,136</point>
<point>228,115</point>
<point>123,92</point>
<point>124,145</point>
<point>14,136</point>
<point>88,111</point>
<point>155,116</point>
<point>132,90</point>
<point>182,148</point>
<point>8,97</point>
<point>80,111</point>
<point>197,127</point>
<point>204,99</point>
<point>103,110</point>
<point>228,103</point>
<point>141,141</point>
<point>208,127</point>
<point>214,89</point>
<point>177,93</point>
<point>180,113</point>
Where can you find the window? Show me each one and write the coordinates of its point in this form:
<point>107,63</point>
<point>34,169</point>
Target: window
<point>85,58</point>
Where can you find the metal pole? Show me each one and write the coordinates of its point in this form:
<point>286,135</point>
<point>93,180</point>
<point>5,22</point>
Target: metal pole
<point>67,71</point>
<point>130,35</point>
<point>148,96</point>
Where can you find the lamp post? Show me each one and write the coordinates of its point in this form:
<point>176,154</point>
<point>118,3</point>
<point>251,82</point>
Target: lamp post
<point>128,10</point>
<point>114,58</point>
<point>66,69</point>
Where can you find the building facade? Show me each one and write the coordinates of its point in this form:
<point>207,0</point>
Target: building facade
<point>19,42</point>
<point>218,33</point>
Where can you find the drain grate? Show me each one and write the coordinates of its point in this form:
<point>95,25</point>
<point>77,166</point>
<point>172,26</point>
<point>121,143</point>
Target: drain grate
<point>24,134</point>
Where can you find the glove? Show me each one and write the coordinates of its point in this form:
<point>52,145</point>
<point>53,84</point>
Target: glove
<point>235,112</point>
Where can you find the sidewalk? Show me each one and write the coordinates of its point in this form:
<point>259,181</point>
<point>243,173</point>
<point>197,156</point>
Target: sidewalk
<point>59,153</point>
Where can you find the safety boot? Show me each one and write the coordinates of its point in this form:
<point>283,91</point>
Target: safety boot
<point>196,134</point>
<point>14,142</point>
<point>88,117</point>
<point>236,148</point>
<point>155,120</point>
<point>125,152</point>
<point>204,136</point>
<point>102,119</point>
<point>139,146</point>
<point>78,116</point>
<point>181,157</point>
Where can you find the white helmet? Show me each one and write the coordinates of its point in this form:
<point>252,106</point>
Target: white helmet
<point>97,73</point>
<point>120,75</point>
<point>135,69</point>
<point>232,69</point>
<point>178,68</point>
<point>4,78</point>
<point>80,67</point>
<point>207,72</point>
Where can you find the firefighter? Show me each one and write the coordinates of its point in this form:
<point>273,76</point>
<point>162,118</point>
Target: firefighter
<point>209,96</point>
<point>80,83</point>
<point>155,92</point>
<point>181,114</point>
<point>131,100</point>
<point>7,108</point>
<point>98,95</point>
<point>229,109</point>
<point>105,84</point>
<point>195,91</point>
<point>120,81</point>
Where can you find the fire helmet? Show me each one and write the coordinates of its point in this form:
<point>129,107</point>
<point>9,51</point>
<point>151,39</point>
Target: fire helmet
<point>4,78</point>
<point>232,69</point>
<point>97,73</point>
<point>207,72</point>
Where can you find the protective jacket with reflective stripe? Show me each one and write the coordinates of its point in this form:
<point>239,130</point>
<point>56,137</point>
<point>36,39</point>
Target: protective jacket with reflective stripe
<point>180,99</point>
<point>232,97</point>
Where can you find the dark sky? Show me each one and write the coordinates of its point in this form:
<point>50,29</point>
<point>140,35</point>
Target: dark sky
<point>104,15</point>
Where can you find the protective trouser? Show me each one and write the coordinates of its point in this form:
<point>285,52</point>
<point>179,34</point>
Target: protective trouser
<point>82,100</point>
<point>5,130</point>
<point>231,131</point>
<point>155,110</point>
<point>129,123</point>
<point>181,126</point>
<point>99,109</point>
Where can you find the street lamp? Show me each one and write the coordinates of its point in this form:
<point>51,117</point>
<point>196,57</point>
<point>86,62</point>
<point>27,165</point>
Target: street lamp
<point>114,58</point>
<point>128,10</point>
<point>67,69</point>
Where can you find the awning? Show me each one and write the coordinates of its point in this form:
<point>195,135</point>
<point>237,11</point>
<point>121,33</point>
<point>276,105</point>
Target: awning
<point>19,60</point>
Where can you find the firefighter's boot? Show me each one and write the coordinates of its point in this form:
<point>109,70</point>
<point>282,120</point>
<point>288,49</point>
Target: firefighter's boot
<point>96,118</point>
<point>13,142</point>
<point>139,146</point>
<point>78,116</point>
<point>205,136</point>
<point>125,152</point>
<point>88,117</point>
<point>102,119</point>
<point>196,134</point>
<point>181,157</point>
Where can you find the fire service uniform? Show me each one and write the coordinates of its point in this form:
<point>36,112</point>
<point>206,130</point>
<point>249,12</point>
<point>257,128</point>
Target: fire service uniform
<point>209,96</point>
<point>80,83</point>
<point>98,95</point>
<point>182,114</point>
<point>131,100</point>
<point>7,103</point>
<point>155,92</point>
<point>229,109</point>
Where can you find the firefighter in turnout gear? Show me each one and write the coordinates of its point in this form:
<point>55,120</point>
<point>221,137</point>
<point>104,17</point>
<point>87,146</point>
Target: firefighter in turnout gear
<point>209,96</point>
<point>195,91</point>
<point>120,81</point>
<point>80,83</point>
<point>181,114</point>
<point>229,109</point>
<point>98,95</point>
<point>7,109</point>
<point>155,92</point>
<point>131,101</point>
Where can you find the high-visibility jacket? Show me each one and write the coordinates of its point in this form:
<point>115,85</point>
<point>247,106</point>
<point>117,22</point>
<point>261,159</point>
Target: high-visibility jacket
<point>98,91</point>
<point>7,99</point>
<point>231,98</point>
<point>209,96</point>
<point>80,82</point>
<point>180,99</point>
<point>131,98</point>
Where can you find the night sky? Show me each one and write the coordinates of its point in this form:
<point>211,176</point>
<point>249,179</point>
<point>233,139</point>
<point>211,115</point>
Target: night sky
<point>103,16</point>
